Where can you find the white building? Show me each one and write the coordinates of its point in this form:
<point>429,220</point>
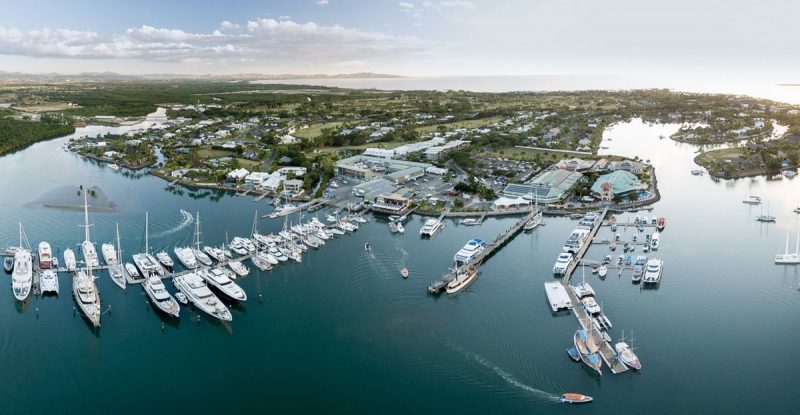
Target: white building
<point>436,152</point>
<point>237,175</point>
<point>379,152</point>
<point>298,171</point>
<point>255,179</point>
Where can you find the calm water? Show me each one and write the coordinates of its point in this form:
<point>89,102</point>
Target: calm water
<point>767,87</point>
<point>342,332</point>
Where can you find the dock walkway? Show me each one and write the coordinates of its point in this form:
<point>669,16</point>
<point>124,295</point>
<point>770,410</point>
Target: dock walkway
<point>436,287</point>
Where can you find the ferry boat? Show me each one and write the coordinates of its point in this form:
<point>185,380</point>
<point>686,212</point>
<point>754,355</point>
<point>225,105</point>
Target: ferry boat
<point>48,282</point>
<point>789,258</point>
<point>575,398</point>
<point>196,290</point>
<point>160,297</point>
<point>576,240</point>
<point>464,276</point>
<point>45,255</point>
<point>22,276</point>
<point>219,279</point>
<point>85,293</point>
<point>653,272</point>
<point>562,263</point>
<point>470,250</point>
<point>430,227</point>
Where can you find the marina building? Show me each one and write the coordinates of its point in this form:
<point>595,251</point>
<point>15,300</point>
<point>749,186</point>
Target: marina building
<point>392,204</point>
<point>621,183</point>
<point>549,186</point>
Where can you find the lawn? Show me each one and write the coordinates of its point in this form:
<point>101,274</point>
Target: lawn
<point>719,155</point>
<point>315,130</point>
<point>209,153</point>
<point>480,122</point>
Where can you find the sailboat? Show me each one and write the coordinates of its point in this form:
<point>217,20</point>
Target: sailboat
<point>84,289</point>
<point>751,199</point>
<point>536,219</point>
<point>87,247</point>
<point>148,265</point>
<point>765,218</point>
<point>197,251</point>
<point>22,275</point>
<point>117,270</point>
<point>625,353</point>
<point>789,258</point>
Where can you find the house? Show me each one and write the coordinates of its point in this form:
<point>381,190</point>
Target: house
<point>607,191</point>
<point>255,179</point>
<point>111,154</point>
<point>297,171</point>
<point>294,186</point>
<point>237,175</point>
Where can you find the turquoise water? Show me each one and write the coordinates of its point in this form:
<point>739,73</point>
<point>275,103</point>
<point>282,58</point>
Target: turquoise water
<point>342,332</point>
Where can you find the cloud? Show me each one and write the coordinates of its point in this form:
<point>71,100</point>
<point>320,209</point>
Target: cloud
<point>406,5</point>
<point>262,40</point>
<point>464,4</point>
<point>322,2</point>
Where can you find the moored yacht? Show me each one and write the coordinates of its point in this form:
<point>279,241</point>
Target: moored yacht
<point>165,260</point>
<point>196,290</point>
<point>430,227</point>
<point>238,268</point>
<point>562,263</point>
<point>109,253</point>
<point>160,297</point>
<point>87,247</point>
<point>789,258</point>
<point>131,270</point>
<point>464,276</point>
<point>69,260</point>
<point>196,250</point>
<point>219,279</point>
<point>652,273</point>
<point>654,241</point>
<point>626,355</point>
<point>22,276</point>
<point>48,282</point>
<point>186,257</point>
<point>471,249</point>
<point>86,296</point>
<point>45,255</point>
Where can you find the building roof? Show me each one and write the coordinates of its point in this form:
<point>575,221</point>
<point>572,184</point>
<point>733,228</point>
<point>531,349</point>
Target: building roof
<point>622,181</point>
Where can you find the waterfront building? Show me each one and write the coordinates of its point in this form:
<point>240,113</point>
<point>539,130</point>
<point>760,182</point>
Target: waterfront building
<point>237,175</point>
<point>295,186</point>
<point>549,186</point>
<point>622,182</point>
<point>392,204</point>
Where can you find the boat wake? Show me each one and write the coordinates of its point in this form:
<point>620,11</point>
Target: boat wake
<point>186,220</point>
<point>509,378</point>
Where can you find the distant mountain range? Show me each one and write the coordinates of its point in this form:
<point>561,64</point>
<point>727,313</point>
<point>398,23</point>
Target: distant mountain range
<point>112,76</point>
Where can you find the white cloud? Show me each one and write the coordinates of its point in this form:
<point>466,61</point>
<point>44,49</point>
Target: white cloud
<point>465,4</point>
<point>406,5</point>
<point>322,2</point>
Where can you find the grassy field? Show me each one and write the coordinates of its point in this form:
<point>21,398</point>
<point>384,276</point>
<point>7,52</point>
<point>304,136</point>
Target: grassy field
<point>315,130</point>
<point>388,144</point>
<point>480,122</point>
<point>208,153</point>
<point>514,153</point>
<point>719,155</point>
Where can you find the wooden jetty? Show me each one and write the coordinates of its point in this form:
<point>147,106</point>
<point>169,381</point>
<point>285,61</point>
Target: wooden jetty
<point>436,287</point>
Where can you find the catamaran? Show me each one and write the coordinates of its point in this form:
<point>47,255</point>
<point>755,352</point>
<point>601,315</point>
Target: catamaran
<point>430,227</point>
<point>789,258</point>
<point>48,282</point>
<point>22,276</point>
<point>196,290</point>
<point>471,249</point>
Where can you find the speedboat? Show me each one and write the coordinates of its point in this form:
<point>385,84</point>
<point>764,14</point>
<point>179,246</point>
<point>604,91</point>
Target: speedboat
<point>404,272</point>
<point>661,224</point>
<point>219,279</point>
<point>562,263</point>
<point>45,255</point>
<point>464,276</point>
<point>22,276</point>
<point>165,259</point>
<point>653,272</point>
<point>196,290</point>
<point>654,240</point>
<point>626,355</point>
<point>48,282</point>
<point>638,271</point>
<point>160,297</point>
<point>109,253</point>
<point>400,228</point>
<point>238,268</point>
<point>575,398</point>
<point>470,250</point>
<point>186,257</point>
<point>85,293</point>
<point>602,270</point>
<point>8,264</point>
<point>181,297</point>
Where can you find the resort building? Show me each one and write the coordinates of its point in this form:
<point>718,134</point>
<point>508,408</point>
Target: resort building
<point>549,186</point>
<point>627,165</point>
<point>621,181</point>
<point>576,164</point>
<point>255,179</point>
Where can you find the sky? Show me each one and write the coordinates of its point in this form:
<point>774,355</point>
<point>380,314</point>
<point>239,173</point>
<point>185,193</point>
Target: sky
<point>410,37</point>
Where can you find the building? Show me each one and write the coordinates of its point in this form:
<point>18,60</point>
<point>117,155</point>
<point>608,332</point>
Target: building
<point>549,186</point>
<point>606,191</point>
<point>297,171</point>
<point>379,152</point>
<point>237,175</point>
<point>437,152</point>
<point>295,186</point>
<point>437,171</point>
<point>365,168</point>
<point>576,164</point>
<point>255,179</point>
<point>622,182</point>
<point>404,149</point>
<point>405,175</point>
<point>374,188</point>
<point>627,165</point>
<point>392,203</point>
<point>507,203</point>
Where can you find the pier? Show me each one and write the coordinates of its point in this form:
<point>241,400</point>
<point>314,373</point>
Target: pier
<point>436,287</point>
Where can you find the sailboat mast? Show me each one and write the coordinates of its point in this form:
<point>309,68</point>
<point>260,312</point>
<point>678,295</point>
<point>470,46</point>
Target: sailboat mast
<point>86,214</point>
<point>119,247</point>
<point>197,232</point>
<point>146,232</point>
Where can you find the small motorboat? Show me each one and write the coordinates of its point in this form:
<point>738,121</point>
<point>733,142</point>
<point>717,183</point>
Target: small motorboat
<point>132,271</point>
<point>8,264</point>
<point>404,272</point>
<point>602,270</point>
<point>181,297</point>
<point>575,398</point>
<point>574,354</point>
<point>367,247</point>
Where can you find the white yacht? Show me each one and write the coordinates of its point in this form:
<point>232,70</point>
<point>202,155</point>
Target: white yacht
<point>186,257</point>
<point>148,264</point>
<point>45,255</point>
<point>117,273</point>
<point>219,279</point>
<point>654,241</point>
<point>464,276</point>
<point>789,258</point>
<point>238,268</point>
<point>469,251</point>
<point>87,247</point>
<point>69,260</point>
<point>165,260</point>
<point>48,282</point>
<point>534,222</point>
<point>430,227</point>
<point>109,253</point>
<point>400,228</point>
<point>196,290</point>
<point>22,276</point>
<point>652,273</point>
<point>160,297</point>
<point>590,305</point>
<point>562,263</point>
<point>260,261</point>
<point>85,293</point>
<point>752,200</point>
<point>131,270</point>
<point>197,250</point>
<point>215,253</point>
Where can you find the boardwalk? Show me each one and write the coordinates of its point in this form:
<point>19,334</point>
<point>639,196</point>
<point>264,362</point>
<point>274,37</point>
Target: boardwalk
<point>438,286</point>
